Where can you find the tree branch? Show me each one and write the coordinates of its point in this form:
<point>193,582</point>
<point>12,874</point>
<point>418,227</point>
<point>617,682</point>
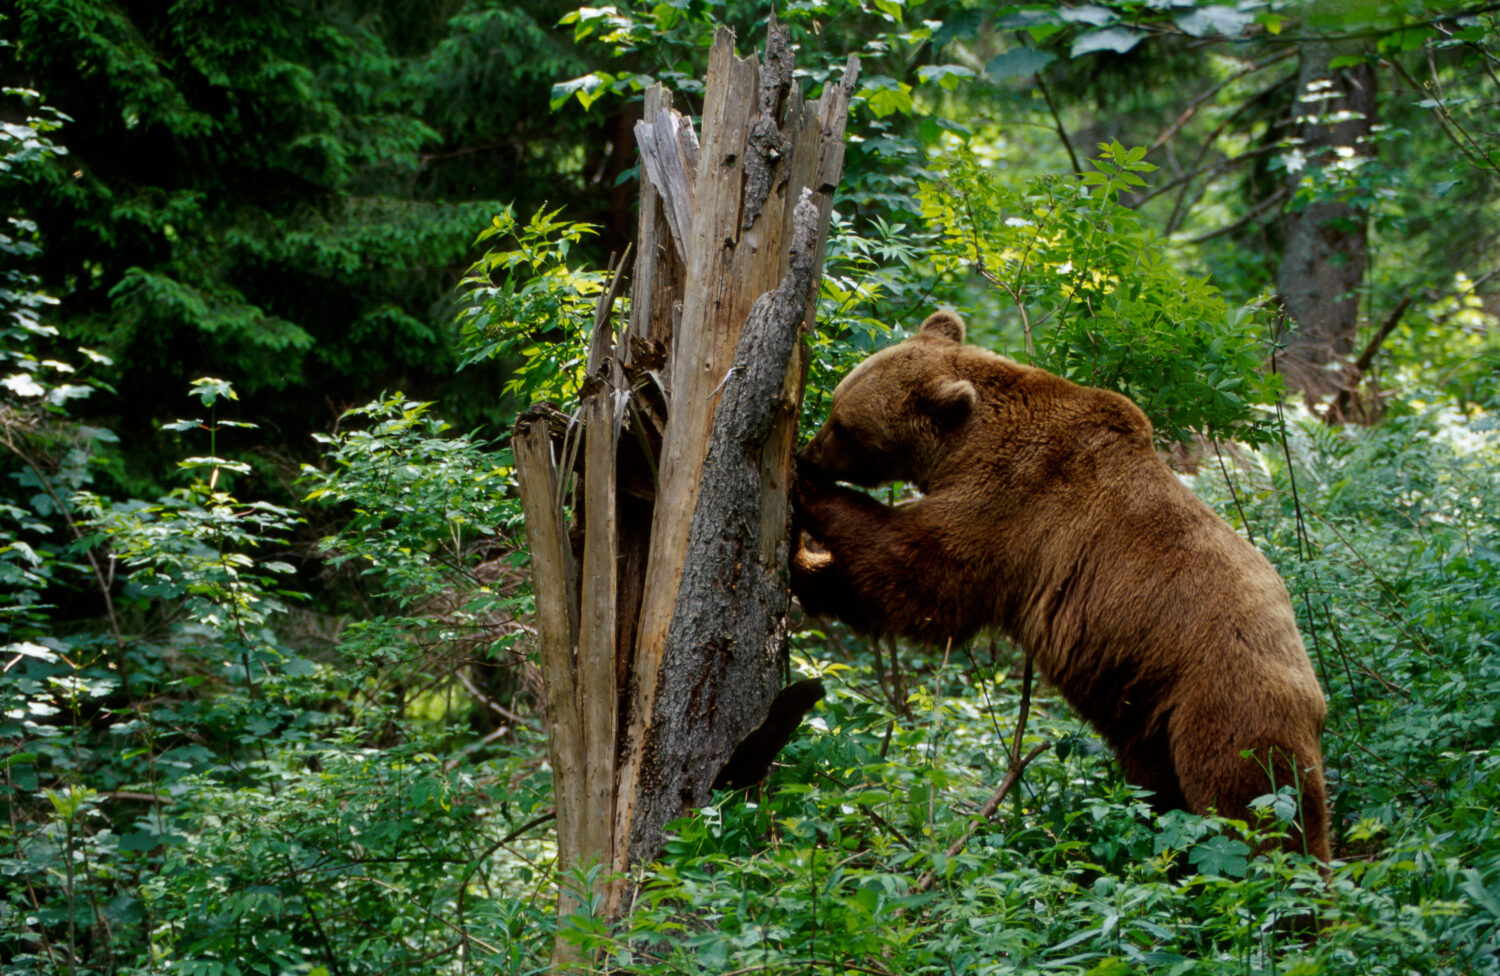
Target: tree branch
<point>1192,106</point>
<point>1062,133</point>
<point>1018,765</point>
<point>1254,215</point>
<point>1340,404</point>
<point>1012,777</point>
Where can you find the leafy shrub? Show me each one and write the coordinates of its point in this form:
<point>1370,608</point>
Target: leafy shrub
<point>1094,297</point>
<point>428,519</point>
<point>525,304</point>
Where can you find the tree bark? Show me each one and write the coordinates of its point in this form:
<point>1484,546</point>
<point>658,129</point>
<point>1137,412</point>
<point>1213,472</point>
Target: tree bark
<point>1323,262</point>
<point>661,608</point>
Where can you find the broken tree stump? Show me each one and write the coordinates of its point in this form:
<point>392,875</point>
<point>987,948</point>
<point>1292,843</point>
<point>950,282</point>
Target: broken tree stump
<point>657,509</point>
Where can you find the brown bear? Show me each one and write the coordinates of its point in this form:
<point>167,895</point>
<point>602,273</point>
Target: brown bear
<point>1046,513</point>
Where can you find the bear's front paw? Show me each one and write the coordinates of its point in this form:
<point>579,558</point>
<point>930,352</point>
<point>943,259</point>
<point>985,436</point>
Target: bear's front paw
<point>808,492</point>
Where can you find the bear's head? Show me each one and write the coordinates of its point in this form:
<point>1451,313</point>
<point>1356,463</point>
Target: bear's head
<point>895,414</point>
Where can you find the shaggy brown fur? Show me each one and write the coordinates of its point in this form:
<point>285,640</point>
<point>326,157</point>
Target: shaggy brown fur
<point>1046,512</point>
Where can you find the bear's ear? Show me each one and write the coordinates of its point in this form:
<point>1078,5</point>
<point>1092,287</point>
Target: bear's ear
<point>945,324</point>
<point>951,400</point>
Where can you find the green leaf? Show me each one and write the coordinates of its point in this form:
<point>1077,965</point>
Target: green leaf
<point>1116,39</point>
<point>238,467</point>
<point>1215,19</point>
<point>1220,855</point>
<point>1016,62</point>
<point>1486,898</point>
<point>1087,14</point>
<point>21,384</point>
<point>146,840</point>
<point>209,390</point>
<point>32,557</point>
<point>587,88</point>
<point>69,803</point>
<point>948,76</point>
<point>886,96</point>
<point>958,23</point>
<point>28,649</point>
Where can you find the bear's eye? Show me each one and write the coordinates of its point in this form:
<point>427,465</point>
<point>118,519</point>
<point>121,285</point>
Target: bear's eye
<point>848,433</point>
<point>850,436</point>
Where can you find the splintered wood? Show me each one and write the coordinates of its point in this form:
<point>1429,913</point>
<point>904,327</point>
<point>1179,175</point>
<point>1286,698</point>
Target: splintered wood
<point>657,508</point>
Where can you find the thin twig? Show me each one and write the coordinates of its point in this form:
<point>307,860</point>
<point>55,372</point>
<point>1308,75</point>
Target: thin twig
<point>1192,106</point>
<point>1012,777</point>
<point>1445,119</point>
<point>870,812</point>
<point>434,916</point>
<point>138,797</point>
<point>1018,765</point>
<point>1234,493</point>
<point>1228,162</point>
<point>105,583</point>
<point>1062,133</point>
<point>1024,714</point>
<point>463,887</point>
<point>1343,652</point>
<point>1345,399</point>
<point>1181,205</point>
<point>484,699</point>
<point>1266,204</point>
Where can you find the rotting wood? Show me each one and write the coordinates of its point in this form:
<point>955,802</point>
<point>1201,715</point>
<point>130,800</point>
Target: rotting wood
<point>660,265</point>
<point>727,633</point>
<point>596,675</point>
<point>555,578</point>
<point>599,343</point>
<point>662,614</point>
<point>669,157</point>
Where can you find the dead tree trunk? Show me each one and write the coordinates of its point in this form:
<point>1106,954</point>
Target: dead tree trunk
<point>657,510</point>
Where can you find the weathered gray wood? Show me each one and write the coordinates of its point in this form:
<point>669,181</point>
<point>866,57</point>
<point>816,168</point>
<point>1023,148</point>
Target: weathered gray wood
<point>555,579</point>
<point>734,263</point>
<point>726,646</point>
<point>596,687</point>
<point>670,649</point>
<point>660,270</point>
<point>702,346</point>
<point>669,160</point>
<point>601,342</point>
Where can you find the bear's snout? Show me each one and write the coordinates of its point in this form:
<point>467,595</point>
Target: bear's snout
<point>809,469</point>
<point>811,461</point>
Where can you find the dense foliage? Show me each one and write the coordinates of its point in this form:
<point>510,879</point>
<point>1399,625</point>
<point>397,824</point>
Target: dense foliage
<point>290,190</point>
<point>267,702</point>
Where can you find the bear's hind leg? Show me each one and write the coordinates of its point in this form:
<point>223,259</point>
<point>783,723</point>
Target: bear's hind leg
<point>1216,775</point>
<point>1147,764</point>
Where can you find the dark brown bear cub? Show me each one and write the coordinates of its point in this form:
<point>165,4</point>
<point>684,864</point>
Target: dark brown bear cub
<point>1046,513</point>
